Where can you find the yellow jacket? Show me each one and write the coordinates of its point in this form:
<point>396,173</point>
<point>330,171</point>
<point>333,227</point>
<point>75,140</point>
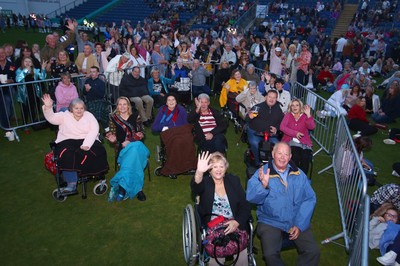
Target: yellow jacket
<point>234,87</point>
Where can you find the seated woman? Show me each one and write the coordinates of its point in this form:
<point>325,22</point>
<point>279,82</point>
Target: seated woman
<point>249,97</point>
<point>177,138</point>
<point>336,101</point>
<point>221,194</point>
<point>267,82</point>
<point>125,129</point>
<point>390,105</point>
<point>235,85</point>
<point>358,118</point>
<point>65,92</point>
<point>351,97</point>
<point>295,126</point>
<point>79,150</point>
<point>372,103</point>
<point>158,85</point>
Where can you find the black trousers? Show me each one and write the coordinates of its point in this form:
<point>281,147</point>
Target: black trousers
<point>365,128</point>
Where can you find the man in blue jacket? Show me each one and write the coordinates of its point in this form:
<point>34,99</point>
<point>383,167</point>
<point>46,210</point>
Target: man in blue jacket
<point>285,203</point>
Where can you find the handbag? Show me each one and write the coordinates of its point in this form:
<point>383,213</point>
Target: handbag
<point>49,162</point>
<point>219,245</point>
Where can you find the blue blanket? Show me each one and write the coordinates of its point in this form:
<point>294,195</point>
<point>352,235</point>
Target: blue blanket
<point>132,160</point>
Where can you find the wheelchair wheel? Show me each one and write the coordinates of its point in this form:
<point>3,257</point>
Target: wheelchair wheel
<point>100,188</point>
<point>58,197</point>
<point>157,171</point>
<point>189,236</point>
<point>252,260</point>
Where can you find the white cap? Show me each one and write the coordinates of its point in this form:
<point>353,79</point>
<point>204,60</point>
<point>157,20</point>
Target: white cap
<point>278,49</point>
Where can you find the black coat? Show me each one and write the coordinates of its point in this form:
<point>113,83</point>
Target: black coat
<point>194,117</point>
<point>235,193</point>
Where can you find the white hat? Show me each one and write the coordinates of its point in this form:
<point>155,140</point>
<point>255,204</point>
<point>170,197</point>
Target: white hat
<point>126,55</point>
<point>278,49</point>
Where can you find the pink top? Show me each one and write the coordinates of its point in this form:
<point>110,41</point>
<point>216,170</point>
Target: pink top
<point>304,60</point>
<point>86,128</point>
<point>64,95</point>
<point>290,127</point>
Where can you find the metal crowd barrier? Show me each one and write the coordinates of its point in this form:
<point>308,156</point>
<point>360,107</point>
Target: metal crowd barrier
<point>19,110</point>
<point>351,186</point>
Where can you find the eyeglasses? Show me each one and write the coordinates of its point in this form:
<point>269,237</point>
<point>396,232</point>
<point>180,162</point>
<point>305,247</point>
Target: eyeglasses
<point>391,215</point>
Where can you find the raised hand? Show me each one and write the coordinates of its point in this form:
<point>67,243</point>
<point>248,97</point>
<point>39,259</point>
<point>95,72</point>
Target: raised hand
<point>47,101</point>
<point>203,162</point>
<point>307,110</point>
<point>264,178</point>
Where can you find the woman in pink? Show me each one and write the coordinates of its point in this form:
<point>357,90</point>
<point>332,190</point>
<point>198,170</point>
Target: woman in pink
<point>65,92</point>
<point>303,60</point>
<point>295,126</point>
<point>78,149</point>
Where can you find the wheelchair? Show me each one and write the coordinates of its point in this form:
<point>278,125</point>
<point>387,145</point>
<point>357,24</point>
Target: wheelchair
<point>193,235</point>
<point>171,143</point>
<point>60,195</point>
<point>233,111</point>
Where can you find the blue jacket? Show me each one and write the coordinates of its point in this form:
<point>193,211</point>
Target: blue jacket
<point>164,81</point>
<point>388,236</point>
<point>38,74</point>
<point>280,206</point>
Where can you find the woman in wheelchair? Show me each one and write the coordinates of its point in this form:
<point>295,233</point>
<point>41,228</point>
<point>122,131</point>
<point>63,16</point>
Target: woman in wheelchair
<point>235,85</point>
<point>78,147</point>
<point>295,126</point>
<point>126,128</point>
<point>169,115</point>
<point>221,194</point>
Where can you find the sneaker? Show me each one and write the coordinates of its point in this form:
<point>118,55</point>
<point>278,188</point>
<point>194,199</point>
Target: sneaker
<point>120,197</point>
<point>388,259</point>
<point>321,114</point>
<point>394,173</point>
<point>141,196</point>
<point>10,136</point>
<point>357,135</point>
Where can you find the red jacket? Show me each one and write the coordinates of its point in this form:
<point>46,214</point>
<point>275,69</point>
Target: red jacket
<point>356,112</point>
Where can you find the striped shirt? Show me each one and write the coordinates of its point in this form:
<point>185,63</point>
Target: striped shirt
<point>207,121</point>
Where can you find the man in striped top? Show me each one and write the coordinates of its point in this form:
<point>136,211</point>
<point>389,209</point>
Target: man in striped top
<point>209,125</point>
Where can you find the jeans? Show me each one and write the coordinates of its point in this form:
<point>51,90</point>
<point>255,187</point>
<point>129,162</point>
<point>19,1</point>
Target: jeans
<point>197,90</point>
<point>382,118</point>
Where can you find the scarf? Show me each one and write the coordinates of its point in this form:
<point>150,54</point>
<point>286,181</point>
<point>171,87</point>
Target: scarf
<point>168,115</point>
<point>125,125</point>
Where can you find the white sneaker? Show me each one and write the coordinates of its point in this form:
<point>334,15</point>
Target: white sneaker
<point>388,259</point>
<point>394,173</point>
<point>10,136</point>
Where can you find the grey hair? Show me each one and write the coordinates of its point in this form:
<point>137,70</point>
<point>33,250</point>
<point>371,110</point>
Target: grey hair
<point>75,102</point>
<point>252,84</point>
<point>250,66</point>
<point>154,69</point>
<point>203,96</point>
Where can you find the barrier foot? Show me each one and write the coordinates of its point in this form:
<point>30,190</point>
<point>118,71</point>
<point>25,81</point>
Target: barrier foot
<point>332,239</point>
<point>325,169</point>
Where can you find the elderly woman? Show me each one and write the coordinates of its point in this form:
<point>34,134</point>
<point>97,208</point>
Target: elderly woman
<point>249,97</point>
<point>295,126</point>
<point>176,137</point>
<point>169,115</point>
<point>235,85</point>
<point>158,85</point>
<point>78,147</point>
<point>29,94</point>
<point>126,129</point>
<point>220,194</point>
<point>65,92</point>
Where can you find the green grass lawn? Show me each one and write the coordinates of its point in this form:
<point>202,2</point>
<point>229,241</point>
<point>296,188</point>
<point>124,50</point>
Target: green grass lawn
<point>35,229</point>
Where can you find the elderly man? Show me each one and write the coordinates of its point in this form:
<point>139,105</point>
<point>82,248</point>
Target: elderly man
<point>285,204</point>
<point>86,60</point>
<point>199,76</point>
<point>53,46</point>
<point>264,117</point>
<point>134,87</point>
<point>209,125</point>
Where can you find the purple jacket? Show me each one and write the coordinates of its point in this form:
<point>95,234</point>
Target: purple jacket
<point>164,120</point>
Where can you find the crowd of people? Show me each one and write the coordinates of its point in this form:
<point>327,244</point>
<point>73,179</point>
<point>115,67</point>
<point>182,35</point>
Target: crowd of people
<point>144,66</point>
